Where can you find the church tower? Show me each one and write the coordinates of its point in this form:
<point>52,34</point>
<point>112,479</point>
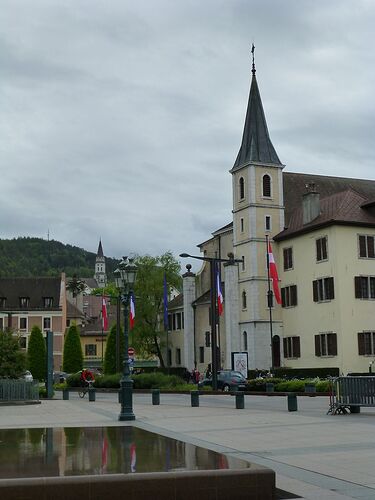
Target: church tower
<point>258,210</point>
<point>100,274</point>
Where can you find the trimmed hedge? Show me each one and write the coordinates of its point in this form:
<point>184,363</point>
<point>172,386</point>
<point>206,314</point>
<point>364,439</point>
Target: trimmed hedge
<point>281,385</point>
<point>142,381</point>
<point>302,373</point>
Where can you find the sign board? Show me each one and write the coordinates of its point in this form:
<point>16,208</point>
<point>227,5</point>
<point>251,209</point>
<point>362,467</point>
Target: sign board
<point>239,362</point>
<point>131,351</point>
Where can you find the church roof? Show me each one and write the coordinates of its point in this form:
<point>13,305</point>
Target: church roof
<point>256,144</point>
<point>100,250</point>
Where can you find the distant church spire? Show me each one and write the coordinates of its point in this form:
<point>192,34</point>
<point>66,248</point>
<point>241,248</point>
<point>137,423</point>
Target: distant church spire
<point>100,274</point>
<point>256,144</point>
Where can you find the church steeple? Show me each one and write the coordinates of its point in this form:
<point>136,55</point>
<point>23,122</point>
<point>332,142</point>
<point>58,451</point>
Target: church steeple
<point>256,144</point>
<point>100,274</point>
<point>99,253</point>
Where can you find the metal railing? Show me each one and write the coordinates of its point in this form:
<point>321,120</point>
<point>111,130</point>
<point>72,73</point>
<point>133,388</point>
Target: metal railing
<point>19,390</point>
<point>350,392</point>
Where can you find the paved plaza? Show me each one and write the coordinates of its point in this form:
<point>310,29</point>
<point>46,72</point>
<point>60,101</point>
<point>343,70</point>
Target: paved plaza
<point>314,455</point>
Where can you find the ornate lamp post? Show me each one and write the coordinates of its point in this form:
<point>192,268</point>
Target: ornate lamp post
<point>125,278</point>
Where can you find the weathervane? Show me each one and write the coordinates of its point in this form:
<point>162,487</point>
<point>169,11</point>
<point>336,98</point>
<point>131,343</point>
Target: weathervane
<point>253,51</point>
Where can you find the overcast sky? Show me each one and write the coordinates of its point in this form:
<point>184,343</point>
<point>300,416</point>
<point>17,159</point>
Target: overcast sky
<point>121,119</point>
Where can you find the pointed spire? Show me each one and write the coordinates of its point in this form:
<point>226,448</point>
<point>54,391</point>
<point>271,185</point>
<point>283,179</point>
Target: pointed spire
<point>256,144</point>
<point>100,249</point>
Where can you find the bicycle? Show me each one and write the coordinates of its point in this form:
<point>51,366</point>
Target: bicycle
<point>85,389</point>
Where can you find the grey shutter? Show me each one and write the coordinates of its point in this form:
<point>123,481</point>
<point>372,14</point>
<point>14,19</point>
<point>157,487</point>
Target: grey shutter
<point>283,297</point>
<point>296,347</point>
<point>332,344</point>
<point>293,295</point>
<point>362,246</point>
<point>315,291</point>
<point>361,344</point>
<point>285,347</point>
<point>357,287</point>
<point>317,345</point>
<point>370,246</point>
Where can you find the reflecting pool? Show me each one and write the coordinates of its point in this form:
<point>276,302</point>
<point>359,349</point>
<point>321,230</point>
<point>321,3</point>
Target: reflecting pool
<point>72,451</point>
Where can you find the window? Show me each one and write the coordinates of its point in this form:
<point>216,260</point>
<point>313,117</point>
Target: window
<point>178,321</point>
<point>170,322</point>
<point>2,302</point>
<point>90,350</point>
<point>201,355</point>
<point>244,300</point>
<point>289,296</point>
<point>22,342</point>
<point>364,287</point>
<point>48,302</point>
<point>242,225</point>
<point>242,188</point>
<point>366,246</point>
<point>267,223</point>
<point>366,343</point>
<point>23,323</point>
<point>321,249</point>
<point>266,186</point>
<point>207,339</point>
<point>24,302</point>
<point>323,289</point>
<point>244,335</point>
<point>326,344</point>
<point>288,258</point>
<point>47,323</point>
<point>178,356</point>
<point>292,347</point>
<point>169,357</point>
<point>243,263</point>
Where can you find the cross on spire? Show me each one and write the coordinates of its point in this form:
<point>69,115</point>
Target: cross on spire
<point>253,52</point>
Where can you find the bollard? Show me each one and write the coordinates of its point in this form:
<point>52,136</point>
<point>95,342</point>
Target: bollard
<point>194,395</point>
<point>240,400</point>
<point>92,393</point>
<point>269,387</point>
<point>65,394</point>
<point>155,396</point>
<point>292,401</point>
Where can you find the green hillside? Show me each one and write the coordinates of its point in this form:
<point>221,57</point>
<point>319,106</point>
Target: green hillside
<point>25,257</point>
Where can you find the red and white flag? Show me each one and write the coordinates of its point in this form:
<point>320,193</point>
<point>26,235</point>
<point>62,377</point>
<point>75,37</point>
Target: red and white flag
<point>220,300</point>
<point>104,454</point>
<point>272,269</point>
<point>133,457</point>
<point>132,312</point>
<point>104,314</point>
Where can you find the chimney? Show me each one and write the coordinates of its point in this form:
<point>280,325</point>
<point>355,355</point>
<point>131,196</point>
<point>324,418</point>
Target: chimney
<point>310,203</point>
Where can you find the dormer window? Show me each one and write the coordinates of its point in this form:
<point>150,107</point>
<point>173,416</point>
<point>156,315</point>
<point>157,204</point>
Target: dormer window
<point>24,302</point>
<point>2,302</point>
<point>242,188</point>
<point>48,302</point>
<point>266,186</point>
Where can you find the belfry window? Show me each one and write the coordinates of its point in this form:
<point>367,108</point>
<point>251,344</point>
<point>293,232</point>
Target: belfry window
<point>266,186</point>
<point>242,188</point>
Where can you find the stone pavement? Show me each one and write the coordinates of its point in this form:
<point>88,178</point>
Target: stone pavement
<point>314,455</point>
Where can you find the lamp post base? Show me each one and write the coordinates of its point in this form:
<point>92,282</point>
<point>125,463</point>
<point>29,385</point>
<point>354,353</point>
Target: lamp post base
<point>126,391</point>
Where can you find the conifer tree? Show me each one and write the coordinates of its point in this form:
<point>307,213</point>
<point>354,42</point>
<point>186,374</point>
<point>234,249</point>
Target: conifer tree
<point>12,359</point>
<point>110,351</point>
<point>73,357</point>
<point>36,354</point>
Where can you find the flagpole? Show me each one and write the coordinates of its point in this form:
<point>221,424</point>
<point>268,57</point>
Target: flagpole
<point>102,333</point>
<point>269,298</point>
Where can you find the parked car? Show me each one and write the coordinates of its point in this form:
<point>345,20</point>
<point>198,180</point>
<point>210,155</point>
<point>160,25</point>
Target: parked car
<point>28,376</point>
<point>59,377</point>
<point>227,380</point>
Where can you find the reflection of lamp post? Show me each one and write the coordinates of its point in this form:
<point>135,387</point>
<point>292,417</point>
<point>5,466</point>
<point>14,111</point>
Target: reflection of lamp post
<point>213,266</point>
<point>125,277</point>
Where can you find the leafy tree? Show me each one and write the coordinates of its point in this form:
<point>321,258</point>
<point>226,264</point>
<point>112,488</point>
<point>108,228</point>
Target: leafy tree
<point>73,357</point>
<point>148,334</point>
<point>110,351</point>
<point>12,359</point>
<point>36,354</point>
<point>109,290</point>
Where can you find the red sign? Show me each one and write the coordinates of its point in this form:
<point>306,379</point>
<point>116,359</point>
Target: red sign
<point>131,351</point>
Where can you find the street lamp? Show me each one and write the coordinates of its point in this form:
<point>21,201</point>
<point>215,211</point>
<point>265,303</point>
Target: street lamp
<point>125,278</point>
<point>213,264</point>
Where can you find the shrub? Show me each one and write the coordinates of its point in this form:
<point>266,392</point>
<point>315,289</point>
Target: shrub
<point>12,359</point>
<point>43,392</point>
<point>36,354</point>
<point>73,357</point>
<point>259,384</point>
<point>108,381</point>
<point>302,373</point>
<point>156,381</point>
<point>291,386</point>
<point>74,380</point>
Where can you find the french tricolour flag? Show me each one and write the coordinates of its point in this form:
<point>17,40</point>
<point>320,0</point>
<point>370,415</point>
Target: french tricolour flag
<point>132,312</point>
<point>104,314</point>
<point>273,274</point>
<point>219,294</point>
<point>133,457</point>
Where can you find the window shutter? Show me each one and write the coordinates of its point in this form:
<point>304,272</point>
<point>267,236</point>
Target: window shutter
<point>332,344</point>
<point>293,295</point>
<point>285,253</point>
<point>318,249</point>
<point>324,248</point>
<point>317,345</point>
<point>296,347</point>
<point>315,291</point>
<point>362,246</point>
<point>361,344</point>
<point>357,287</point>
<point>285,347</point>
<point>370,246</point>
<point>283,297</point>
<point>290,263</point>
<point>330,292</point>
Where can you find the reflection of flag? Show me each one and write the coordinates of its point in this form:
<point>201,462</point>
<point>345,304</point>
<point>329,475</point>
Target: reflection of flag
<point>133,457</point>
<point>272,270</point>
<point>219,294</point>
<point>165,300</point>
<point>104,454</point>
<point>132,311</point>
<point>104,314</point>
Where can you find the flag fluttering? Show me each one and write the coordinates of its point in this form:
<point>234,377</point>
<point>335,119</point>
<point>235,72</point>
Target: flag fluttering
<point>219,293</point>
<point>133,457</point>
<point>272,269</point>
<point>132,312</point>
<point>165,302</point>
<point>104,314</point>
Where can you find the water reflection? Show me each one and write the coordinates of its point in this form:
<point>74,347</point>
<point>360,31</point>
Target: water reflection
<point>74,451</point>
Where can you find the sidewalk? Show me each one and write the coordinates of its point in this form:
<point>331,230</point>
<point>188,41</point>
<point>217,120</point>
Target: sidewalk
<point>315,456</point>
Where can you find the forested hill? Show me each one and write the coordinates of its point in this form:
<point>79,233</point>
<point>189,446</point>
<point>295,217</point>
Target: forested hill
<point>25,257</point>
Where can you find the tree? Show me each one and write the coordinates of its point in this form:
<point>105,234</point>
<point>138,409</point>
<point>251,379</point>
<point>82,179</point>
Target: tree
<point>148,336</point>
<point>110,351</point>
<point>73,357</point>
<point>12,359</point>
<point>36,354</point>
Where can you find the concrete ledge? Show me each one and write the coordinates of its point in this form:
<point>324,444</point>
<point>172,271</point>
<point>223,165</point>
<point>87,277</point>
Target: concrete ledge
<point>19,403</point>
<point>247,484</point>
